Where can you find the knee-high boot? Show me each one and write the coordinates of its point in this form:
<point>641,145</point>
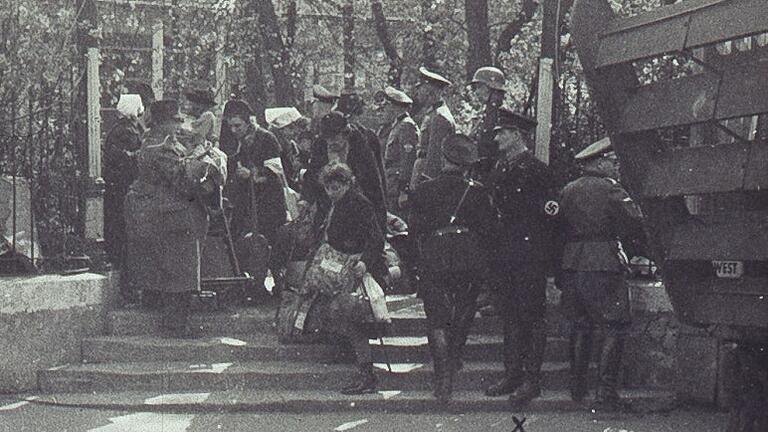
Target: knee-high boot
<point>533,357</point>
<point>462,323</point>
<point>443,372</point>
<point>366,382</point>
<point>513,364</point>
<point>610,363</point>
<point>581,353</point>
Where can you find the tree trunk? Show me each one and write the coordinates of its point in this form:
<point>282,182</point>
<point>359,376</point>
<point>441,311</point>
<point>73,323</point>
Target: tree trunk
<point>382,32</point>
<point>428,35</point>
<point>478,36</point>
<point>348,38</point>
<point>277,54</point>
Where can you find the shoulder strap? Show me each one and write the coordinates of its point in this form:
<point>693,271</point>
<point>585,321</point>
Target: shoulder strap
<point>455,213</point>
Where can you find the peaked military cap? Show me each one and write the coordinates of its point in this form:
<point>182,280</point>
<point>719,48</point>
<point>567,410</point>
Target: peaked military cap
<point>491,76</point>
<point>166,110</point>
<point>595,149</point>
<point>323,94</point>
<point>396,96</point>
<point>433,77</point>
<point>460,150</point>
<point>509,119</point>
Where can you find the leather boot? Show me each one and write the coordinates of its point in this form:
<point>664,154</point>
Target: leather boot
<point>513,365</point>
<point>607,397</point>
<point>442,386</point>
<point>462,323</point>
<point>366,382</point>
<point>581,353</point>
<point>341,352</point>
<point>533,357</point>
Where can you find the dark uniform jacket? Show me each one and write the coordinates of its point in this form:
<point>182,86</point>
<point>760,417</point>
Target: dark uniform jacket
<point>353,228</point>
<point>256,147</point>
<point>525,197</point>
<point>438,123</point>
<point>433,202</point>
<point>597,212</point>
<point>400,139</point>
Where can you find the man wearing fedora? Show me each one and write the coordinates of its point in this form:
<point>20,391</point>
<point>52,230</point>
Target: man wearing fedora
<point>400,136</point>
<point>447,208</point>
<point>437,124</point>
<point>598,214</point>
<point>525,197</point>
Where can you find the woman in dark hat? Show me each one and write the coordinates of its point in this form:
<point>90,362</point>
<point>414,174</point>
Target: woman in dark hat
<point>166,217</point>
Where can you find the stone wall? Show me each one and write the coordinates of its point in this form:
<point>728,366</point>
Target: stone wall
<point>44,318</point>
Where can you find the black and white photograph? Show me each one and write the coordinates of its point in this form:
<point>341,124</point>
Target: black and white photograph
<point>384,215</point>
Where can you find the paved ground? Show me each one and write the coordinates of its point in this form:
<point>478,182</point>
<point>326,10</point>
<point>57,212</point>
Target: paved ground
<point>21,416</point>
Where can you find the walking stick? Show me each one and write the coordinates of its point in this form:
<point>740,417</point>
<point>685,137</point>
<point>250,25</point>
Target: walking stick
<point>381,338</point>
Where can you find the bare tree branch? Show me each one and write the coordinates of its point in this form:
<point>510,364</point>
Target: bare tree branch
<point>527,9</point>
<point>382,31</point>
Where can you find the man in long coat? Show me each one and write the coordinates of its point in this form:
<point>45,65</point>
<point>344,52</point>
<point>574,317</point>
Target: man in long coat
<point>598,214</point>
<point>400,136</point>
<point>437,124</point>
<point>166,217</point>
<point>524,195</point>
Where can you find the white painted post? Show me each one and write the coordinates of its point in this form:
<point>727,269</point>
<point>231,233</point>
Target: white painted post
<point>544,110</point>
<point>94,203</point>
<point>222,91</point>
<point>157,60</point>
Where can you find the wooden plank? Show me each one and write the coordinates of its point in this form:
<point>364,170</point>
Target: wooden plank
<point>728,20</point>
<point>696,170</point>
<point>679,27</point>
<point>743,92</point>
<point>671,103</point>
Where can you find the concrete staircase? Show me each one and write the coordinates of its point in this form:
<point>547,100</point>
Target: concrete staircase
<point>240,365</point>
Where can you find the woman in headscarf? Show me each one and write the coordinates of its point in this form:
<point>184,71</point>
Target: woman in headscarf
<point>120,146</point>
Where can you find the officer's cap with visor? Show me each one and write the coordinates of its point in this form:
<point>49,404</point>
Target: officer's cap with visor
<point>396,97</point>
<point>323,94</point>
<point>431,77</point>
<point>460,150</point>
<point>598,149</point>
<point>509,119</point>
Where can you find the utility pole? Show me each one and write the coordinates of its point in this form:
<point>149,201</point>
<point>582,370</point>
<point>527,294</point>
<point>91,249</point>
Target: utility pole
<point>547,77</point>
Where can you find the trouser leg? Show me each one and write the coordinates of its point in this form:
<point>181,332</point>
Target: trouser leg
<point>580,355</point>
<point>463,317</point>
<point>443,372</point>
<point>175,319</point>
<point>366,380</point>
<point>610,363</point>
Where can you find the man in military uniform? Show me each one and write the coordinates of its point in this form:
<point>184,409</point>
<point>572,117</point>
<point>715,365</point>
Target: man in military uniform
<point>488,87</point>
<point>449,296</point>
<point>400,136</point>
<point>597,213</point>
<point>524,195</point>
<point>322,104</point>
<point>437,124</point>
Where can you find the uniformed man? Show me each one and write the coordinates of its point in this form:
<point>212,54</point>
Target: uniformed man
<point>597,214</point>
<point>400,136</point>
<point>488,87</point>
<point>524,195</point>
<point>436,125</point>
<point>450,296</point>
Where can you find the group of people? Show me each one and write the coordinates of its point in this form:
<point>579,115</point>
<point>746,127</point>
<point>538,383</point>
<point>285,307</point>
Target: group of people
<point>485,218</point>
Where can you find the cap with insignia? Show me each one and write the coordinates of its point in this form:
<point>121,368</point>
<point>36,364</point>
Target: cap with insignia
<point>595,149</point>
<point>396,96</point>
<point>281,117</point>
<point>323,94</point>
<point>459,149</point>
<point>433,77</point>
<point>509,119</point>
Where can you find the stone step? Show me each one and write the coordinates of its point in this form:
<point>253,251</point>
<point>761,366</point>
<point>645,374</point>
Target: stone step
<point>408,321</point>
<point>404,401</point>
<point>276,376</point>
<point>265,347</point>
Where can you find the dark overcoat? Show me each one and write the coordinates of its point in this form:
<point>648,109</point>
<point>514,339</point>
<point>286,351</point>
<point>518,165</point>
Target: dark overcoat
<point>165,215</point>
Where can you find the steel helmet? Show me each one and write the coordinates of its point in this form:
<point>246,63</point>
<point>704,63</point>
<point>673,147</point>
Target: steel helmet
<point>490,76</point>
